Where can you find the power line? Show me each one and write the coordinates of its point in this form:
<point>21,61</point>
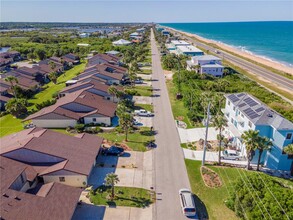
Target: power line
<point>243,210</point>
<point>273,196</point>
<point>252,195</point>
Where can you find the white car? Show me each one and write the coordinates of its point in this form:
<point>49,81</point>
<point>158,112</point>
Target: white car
<point>187,202</point>
<point>143,112</point>
<point>230,155</point>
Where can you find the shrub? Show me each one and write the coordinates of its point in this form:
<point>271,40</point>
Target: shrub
<point>79,127</point>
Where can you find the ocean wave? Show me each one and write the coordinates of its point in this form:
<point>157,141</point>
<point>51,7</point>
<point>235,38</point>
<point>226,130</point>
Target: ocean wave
<point>245,50</point>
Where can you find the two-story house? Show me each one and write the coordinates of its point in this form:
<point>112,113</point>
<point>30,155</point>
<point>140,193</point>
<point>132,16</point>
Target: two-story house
<point>245,112</point>
<point>207,64</point>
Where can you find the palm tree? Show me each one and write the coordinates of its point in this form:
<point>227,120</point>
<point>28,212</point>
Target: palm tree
<point>112,90</point>
<point>126,122</point>
<point>111,179</point>
<point>250,139</point>
<point>263,143</point>
<point>53,77</point>
<point>289,149</point>
<point>12,80</point>
<point>220,122</point>
<point>16,107</point>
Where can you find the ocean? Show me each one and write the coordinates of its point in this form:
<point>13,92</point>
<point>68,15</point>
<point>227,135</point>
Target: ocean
<point>272,40</point>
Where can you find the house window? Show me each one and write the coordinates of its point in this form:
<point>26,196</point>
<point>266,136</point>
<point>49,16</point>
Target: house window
<point>21,178</point>
<point>289,136</point>
<point>228,102</point>
<point>242,115</point>
<point>62,179</point>
<point>232,120</point>
<point>94,119</point>
<point>234,108</point>
<point>250,124</point>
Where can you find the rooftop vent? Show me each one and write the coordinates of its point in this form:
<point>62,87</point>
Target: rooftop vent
<point>17,198</point>
<point>270,115</point>
<point>5,195</point>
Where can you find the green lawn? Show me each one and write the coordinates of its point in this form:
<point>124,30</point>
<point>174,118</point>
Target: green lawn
<point>147,107</point>
<point>137,140</point>
<point>9,124</point>
<point>211,199</point>
<point>53,88</point>
<point>178,107</point>
<point>143,90</point>
<point>146,71</point>
<point>124,196</point>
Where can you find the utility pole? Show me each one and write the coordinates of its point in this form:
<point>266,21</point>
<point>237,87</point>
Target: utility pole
<point>206,135</point>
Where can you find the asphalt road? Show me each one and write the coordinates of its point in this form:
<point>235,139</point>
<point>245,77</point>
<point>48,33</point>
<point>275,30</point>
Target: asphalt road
<point>170,171</point>
<point>266,74</point>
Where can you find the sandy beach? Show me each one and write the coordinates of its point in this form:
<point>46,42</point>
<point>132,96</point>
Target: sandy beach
<point>253,57</point>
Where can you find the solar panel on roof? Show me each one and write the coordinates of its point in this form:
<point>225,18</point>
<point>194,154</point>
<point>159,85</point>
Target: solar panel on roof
<point>259,109</point>
<point>242,104</point>
<point>250,113</point>
<point>240,95</point>
<point>250,102</point>
<point>233,98</point>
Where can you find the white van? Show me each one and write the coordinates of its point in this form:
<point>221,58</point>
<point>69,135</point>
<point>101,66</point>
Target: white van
<point>187,202</point>
<point>230,155</point>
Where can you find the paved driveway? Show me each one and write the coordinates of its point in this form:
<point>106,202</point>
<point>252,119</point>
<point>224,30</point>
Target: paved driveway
<point>194,134</point>
<point>144,121</point>
<point>89,212</point>
<point>142,99</point>
<point>210,156</point>
<point>128,213</point>
<point>134,169</point>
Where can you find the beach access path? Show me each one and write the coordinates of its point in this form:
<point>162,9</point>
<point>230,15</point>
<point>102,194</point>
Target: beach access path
<point>170,170</point>
<point>270,76</point>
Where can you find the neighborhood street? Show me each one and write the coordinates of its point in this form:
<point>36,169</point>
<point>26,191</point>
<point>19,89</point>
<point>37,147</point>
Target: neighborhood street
<point>170,171</point>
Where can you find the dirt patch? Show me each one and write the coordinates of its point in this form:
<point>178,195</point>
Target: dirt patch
<point>210,178</point>
<point>211,145</point>
<point>168,74</point>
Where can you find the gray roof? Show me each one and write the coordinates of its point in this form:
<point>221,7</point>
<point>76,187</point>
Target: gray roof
<point>259,113</point>
<point>213,65</point>
<point>206,57</point>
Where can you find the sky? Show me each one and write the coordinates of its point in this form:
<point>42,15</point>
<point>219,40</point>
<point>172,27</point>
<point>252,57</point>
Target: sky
<point>145,11</point>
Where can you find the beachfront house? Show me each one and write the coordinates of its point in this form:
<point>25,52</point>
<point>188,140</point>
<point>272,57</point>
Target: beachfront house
<point>245,112</point>
<point>189,50</point>
<point>207,64</point>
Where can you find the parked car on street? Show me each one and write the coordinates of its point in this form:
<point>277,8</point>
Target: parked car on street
<point>138,81</point>
<point>187,202</point>
<point>230,155</point>
<point>142,112</point>
<point>113,150</point>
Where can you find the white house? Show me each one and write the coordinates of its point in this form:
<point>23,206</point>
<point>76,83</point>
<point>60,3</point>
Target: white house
<point>84,35</point>
<point>208,64</point>
<point>245,112</point>
<point>121,42</point>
